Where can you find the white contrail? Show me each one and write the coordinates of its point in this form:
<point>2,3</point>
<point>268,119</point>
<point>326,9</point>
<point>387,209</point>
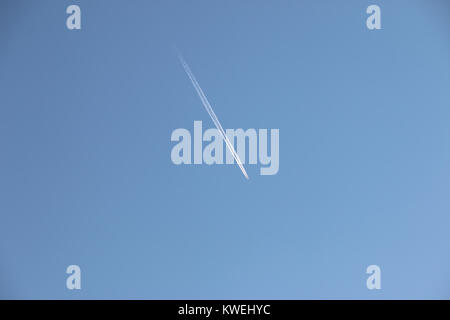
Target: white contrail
<point>211,113</point>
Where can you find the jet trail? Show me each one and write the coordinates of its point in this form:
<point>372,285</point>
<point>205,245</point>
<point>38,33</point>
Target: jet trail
<point>211,113</point>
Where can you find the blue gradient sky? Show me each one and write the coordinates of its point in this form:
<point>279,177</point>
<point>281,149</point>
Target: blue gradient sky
<point>85,170</point>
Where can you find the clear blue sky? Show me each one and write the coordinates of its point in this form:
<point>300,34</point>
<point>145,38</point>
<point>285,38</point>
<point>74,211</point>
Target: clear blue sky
<point>85,170</point>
